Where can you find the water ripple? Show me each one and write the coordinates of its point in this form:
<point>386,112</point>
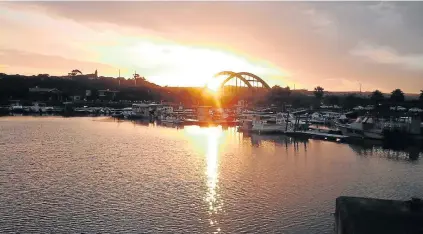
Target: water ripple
<point>77,175</point>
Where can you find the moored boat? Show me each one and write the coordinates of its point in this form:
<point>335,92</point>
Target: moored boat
<point>363,127</point>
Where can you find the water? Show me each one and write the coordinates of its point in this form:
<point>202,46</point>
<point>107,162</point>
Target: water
<point>94,175</point>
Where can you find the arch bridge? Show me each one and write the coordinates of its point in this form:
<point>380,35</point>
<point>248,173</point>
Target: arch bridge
<point>248,79</point>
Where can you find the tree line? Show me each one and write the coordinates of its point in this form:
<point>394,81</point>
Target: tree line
<point>137,88</point>
<point>279,95</point>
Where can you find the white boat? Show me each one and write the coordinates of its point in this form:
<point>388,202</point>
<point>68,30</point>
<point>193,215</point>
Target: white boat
<point>245,120</point>
<point>16,108</point>
<point>363,127</point>
<point>317,118</point>
<point>416,110</point>
<point>145,110</point>
<point>171,119</point>
<point>127,112</point>
<point>270,124</point>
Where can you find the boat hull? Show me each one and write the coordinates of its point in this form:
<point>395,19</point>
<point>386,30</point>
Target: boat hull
<point>351,132</point>
<point>268,128</point>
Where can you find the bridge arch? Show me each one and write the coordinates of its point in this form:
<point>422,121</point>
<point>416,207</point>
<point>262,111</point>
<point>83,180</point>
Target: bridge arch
<point>240,75</point>
<point>258,79</point>
<point>236,75</point>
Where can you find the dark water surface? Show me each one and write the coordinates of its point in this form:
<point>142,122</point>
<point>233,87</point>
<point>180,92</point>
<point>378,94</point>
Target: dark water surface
<point>94,175</point>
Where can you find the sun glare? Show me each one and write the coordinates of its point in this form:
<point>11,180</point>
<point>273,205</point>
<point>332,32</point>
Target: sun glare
<point>213,85</point>
<point>197,68</point>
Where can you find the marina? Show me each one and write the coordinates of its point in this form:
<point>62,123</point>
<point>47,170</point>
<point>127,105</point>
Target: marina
<point>324,125</point>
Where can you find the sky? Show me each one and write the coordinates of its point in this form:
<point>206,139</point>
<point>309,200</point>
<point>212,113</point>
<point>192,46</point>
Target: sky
<point>337,45</point>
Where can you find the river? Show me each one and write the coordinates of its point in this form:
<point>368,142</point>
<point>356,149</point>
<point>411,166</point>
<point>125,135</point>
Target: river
<point>97,175</point>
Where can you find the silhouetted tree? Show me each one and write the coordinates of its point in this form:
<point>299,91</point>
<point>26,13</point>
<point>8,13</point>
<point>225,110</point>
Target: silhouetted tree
<point>332,100</point>
<point>279,95</point>
<point>352,100</point>
<point>421,98</point>
<point>397,96</point>
<point>17,87</point>
<point>319,92</point>
<point>377,97</point>
<point>74,72</point>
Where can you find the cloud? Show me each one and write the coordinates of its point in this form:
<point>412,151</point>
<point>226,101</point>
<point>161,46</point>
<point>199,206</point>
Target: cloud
<point>388,56</point>
<point>164,61</point>
<point>322,22</point>
<point>346,84</point>
<point>388,14</point>
<point>12,59</point>
<point>303,41</point>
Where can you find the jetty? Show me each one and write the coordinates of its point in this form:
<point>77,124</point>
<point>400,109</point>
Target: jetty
<point>318,135</point>
<point>369,216</point>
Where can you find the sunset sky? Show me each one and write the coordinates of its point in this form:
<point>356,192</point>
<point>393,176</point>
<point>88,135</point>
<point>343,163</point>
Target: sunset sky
<point>336,45</point>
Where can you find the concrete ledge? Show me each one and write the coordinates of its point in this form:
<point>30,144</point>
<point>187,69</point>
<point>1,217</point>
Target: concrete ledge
<point>357,215</point>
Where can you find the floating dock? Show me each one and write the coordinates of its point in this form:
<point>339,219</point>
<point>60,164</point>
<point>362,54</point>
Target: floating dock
<point>209,123</point>
<point>369,216</point>
<point>317,135</point>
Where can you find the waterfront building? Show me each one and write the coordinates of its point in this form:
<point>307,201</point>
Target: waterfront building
<point>108,95</point>
<point>45,94</point>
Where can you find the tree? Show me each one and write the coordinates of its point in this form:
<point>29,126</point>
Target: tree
<point>74,72</point>
<point>279,95</point>
<point>319,92</point>
<point>377,96</point>
<point>421,96</point>
<point>352,100</point>
<point>397,96</point>
<point>332,100</point>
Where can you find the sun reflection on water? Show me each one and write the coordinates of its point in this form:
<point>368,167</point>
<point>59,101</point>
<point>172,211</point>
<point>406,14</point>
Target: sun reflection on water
<point>212,198</point>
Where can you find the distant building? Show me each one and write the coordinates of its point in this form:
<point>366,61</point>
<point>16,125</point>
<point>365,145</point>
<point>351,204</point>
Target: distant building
<point>45,94</point>
<point>93,76</point>
<point>76,98</point>
<point>107,94</point>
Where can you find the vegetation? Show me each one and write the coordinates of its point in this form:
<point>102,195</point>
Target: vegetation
<point>332,100</point>
<point>75,72</point>
<point>137,88</point>
<point>319,93</point>
<point>17,86</point>
<point>352,100</point>
<point>397,96</point>
<point>377,97</point>
<point>279,95</point>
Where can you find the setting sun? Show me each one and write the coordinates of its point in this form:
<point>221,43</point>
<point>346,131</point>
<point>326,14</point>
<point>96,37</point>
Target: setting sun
<point>213,85</point>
